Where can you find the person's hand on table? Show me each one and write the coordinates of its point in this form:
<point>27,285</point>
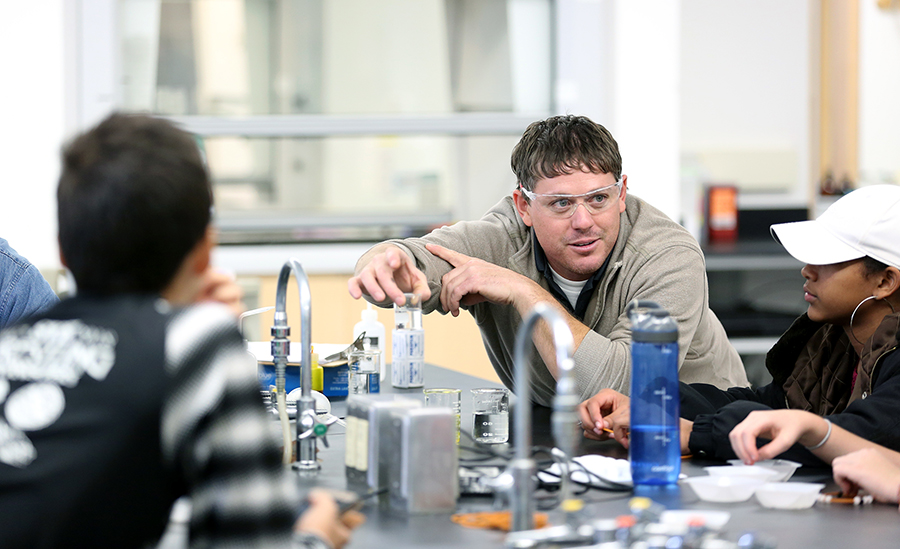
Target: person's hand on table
<point>388,273</point>
<point>784,428</point>
<point>606,415</point>
<point>323,520</point>
<point>870,470</point>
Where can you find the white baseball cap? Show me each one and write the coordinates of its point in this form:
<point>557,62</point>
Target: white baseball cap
<point>865,222</point>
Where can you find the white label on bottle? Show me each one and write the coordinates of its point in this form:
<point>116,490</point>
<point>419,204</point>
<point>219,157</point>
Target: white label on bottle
<point>408,344</point>
<point>408,359</point>
<point>407,372</point>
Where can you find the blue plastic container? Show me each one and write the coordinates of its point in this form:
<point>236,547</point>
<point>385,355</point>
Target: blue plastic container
<point>334,378</point>
<point>654,440</point>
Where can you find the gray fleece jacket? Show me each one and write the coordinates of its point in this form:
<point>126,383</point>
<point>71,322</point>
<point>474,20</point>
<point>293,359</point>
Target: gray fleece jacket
<point>654,258</point>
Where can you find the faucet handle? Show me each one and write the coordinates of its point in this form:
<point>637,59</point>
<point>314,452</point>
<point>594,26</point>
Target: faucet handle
<point>321,431</point>
<point>313,427</point>
<point>306,424</point>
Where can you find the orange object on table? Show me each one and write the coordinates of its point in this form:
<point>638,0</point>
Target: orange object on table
<point>494,520</point>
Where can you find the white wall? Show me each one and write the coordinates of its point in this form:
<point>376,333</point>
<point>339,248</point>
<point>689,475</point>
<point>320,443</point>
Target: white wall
<point>32,99</point>
<point>745,93</point>
<point>646,91</point>
<point>879,94</point>
<point>618,63</point>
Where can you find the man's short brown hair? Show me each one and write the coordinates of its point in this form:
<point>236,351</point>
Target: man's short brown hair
<point>563,145</point>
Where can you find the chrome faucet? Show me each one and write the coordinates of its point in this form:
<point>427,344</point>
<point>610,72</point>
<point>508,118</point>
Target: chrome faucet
<point>281,345</point>
<point>564,418</point>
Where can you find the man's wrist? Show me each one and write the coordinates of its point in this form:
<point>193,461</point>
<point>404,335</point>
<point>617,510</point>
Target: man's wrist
<point>528,294</point>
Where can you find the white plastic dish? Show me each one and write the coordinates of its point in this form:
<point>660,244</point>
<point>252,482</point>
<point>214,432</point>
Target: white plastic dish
<point>785,467</point>
<point>723,489</point>
<point>323,405</point>
<point>763,474</point>
<point>788,495</point>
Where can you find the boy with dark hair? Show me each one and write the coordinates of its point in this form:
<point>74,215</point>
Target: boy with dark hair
<point>133,201</point>
<point>132,394</point>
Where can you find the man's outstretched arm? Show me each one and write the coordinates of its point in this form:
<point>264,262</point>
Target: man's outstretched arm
<point>386,272</point>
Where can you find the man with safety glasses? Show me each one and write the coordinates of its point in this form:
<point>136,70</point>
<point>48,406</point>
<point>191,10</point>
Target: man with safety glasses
<point>569,235</point>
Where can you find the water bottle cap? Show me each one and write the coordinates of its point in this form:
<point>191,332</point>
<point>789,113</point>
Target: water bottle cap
<point>650,323</point>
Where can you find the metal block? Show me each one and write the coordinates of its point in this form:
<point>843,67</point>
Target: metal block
<point>368,421</point>
<point>423,471</point>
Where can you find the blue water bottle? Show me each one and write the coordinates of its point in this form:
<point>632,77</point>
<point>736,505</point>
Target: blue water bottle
<point>655,442</point>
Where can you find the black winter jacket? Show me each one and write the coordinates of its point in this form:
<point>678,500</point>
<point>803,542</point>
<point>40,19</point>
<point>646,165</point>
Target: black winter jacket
<point>872,411</point>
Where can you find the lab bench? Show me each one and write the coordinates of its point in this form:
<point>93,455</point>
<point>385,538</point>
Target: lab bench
<point>824,525</point>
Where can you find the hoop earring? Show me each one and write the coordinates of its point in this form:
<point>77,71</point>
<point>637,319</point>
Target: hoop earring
<point>853,315</point>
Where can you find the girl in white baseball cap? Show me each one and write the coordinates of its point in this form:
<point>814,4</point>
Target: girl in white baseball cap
<point>839,360</point>
<point>852,253</point>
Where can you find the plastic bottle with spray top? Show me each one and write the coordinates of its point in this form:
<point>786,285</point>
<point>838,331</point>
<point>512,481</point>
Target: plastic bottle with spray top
<point>375,335</point>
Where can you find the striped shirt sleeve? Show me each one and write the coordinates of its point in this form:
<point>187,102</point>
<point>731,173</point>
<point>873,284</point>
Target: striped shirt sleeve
<point>216,434</point>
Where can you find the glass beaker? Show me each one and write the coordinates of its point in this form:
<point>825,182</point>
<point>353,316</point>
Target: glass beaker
<point>491,409</point>
<point>446,398</point>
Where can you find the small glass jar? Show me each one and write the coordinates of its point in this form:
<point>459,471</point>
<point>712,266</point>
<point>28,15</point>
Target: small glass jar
<point>364,375</point>
<point>446,398</point>
<point>490,407</point>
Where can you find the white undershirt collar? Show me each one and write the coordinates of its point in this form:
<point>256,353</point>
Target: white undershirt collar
<point>571,288</point>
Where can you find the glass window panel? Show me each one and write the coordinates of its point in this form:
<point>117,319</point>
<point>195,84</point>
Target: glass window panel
<point>283,189</point>
<point>348,57</point>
